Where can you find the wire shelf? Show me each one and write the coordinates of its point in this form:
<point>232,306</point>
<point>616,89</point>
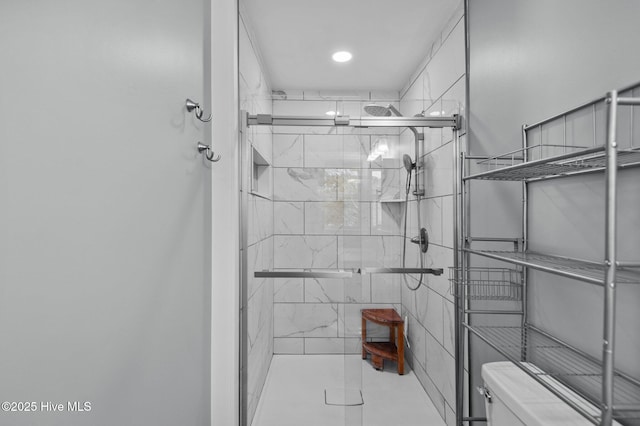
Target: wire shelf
<point>591,272</point>
<point>588,160</point>
<point>487,283</point>
<point>569,366</point>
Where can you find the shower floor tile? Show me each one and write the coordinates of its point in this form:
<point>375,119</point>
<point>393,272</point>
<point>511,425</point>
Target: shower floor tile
<point>294,394</point>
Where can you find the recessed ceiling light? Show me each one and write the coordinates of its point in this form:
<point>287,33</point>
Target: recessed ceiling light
<point>342,56</point>
<point>330,113</point>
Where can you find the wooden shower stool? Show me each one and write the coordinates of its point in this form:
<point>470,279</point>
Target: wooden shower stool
<point>393,349</point>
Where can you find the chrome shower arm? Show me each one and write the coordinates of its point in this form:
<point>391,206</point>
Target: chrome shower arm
<point>394,110</point>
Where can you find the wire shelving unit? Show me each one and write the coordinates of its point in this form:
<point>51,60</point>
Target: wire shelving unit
<point>561,368</point>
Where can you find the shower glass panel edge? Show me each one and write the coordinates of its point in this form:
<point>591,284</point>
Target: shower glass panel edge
<point>355,209</point>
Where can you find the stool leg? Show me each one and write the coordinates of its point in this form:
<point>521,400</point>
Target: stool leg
<point>364,337</point>
<point>400,346</point>
<point>378,362</point>
<point>392,334</point>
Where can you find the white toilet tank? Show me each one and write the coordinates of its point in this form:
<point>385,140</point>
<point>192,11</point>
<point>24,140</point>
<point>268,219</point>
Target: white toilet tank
<point>517,399</point>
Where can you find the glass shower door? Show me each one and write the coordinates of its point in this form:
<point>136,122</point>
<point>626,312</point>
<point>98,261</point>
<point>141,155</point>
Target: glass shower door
<point>369,239</point>
<point>355,224</point>
<point>336,212</point>
<point>335,219</point>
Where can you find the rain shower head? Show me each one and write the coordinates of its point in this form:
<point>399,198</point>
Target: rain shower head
<point>381,111</point>
<point>377,110</point>
<point>408,164</point>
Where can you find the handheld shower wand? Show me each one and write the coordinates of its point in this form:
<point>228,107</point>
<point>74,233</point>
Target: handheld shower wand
<point>408,164</point>
<point>423,238</point>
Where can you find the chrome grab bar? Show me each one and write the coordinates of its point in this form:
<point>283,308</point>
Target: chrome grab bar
<point>432,271</point>
<point>304,274</point>
<point>343,273</point>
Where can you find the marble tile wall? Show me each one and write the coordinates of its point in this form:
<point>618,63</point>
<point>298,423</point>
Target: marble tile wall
<point>438,88</point>
<point>255,97</point>
<point>328,215</point>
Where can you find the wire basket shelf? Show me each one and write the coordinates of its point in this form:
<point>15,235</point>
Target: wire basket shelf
<point>486,283</point>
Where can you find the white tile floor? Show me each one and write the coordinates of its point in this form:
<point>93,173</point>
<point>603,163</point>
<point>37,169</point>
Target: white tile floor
<point>294,394</point>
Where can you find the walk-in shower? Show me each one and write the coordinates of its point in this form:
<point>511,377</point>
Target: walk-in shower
<point>422,239</point>
<point>336,224</point>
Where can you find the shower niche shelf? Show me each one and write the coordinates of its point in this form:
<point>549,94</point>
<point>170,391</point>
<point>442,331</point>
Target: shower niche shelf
<point>261,185</point>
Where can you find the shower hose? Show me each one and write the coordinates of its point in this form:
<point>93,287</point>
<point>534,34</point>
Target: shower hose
<point>404,248</point>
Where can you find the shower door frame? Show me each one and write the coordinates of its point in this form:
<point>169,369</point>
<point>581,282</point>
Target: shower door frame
<point>243,177</point>
<point>247,120</point>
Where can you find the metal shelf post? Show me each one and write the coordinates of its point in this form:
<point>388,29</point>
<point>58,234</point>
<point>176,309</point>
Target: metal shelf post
<point>608,341</point>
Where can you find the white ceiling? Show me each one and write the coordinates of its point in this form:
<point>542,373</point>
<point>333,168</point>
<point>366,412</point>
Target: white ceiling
<point>388,39</point>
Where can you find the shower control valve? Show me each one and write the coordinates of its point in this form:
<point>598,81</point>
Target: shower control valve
<point>422,240</point>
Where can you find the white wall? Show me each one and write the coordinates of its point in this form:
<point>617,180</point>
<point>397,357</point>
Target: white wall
<point>438,88</point>
<point>528,61</point>
<point>104,242</point>
<point>225,202</point>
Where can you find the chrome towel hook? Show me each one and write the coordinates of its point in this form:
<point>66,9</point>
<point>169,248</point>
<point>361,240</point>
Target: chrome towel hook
<point>191,106</point>
<point>208,152</point>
